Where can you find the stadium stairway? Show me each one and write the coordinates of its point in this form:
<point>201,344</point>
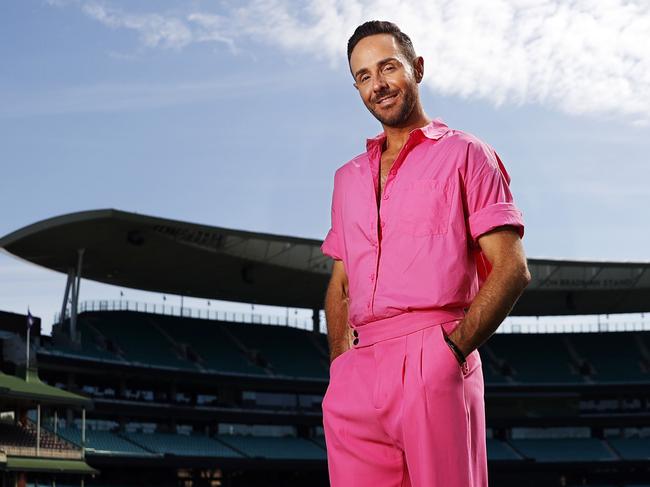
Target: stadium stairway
<point>181,349</point>
<point>520,356</point>
<point>251,354</point>
<point>93,345</point>
<point>288,351</point>
<point>100,340</point>
<point>158,444</point>
<point>141,343</point>
<point>105,443</point>
<point>209,341</point>
<point>610,356</point>
<point>192,344</point>
<point>182,445</point>
<point>631,448</point>
<point>564,449</point>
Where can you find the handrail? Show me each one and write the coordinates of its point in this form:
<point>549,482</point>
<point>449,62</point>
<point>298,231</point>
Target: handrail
<point>514,324</point>
<point>189,312</point>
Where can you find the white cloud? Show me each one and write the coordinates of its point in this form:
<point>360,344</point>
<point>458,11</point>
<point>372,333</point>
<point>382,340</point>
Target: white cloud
<point>154,29</point>
<point>580,57</point>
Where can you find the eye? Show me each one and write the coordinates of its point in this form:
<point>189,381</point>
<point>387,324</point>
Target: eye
<point>364,78</point>
<point>389,66</point>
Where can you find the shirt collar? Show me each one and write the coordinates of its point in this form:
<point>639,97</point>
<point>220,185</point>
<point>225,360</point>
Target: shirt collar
<point>433,130</point>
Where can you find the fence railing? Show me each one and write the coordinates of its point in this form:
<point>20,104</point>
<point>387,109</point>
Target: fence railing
<point>515,324</point>
<point>189,312</point>
<point>511,325</point>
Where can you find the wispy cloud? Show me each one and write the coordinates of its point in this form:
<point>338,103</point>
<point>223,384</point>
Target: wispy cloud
<point>580,57</point>
<point>128,97</point>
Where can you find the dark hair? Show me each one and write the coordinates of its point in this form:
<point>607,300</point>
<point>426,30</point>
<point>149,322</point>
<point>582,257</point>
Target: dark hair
<point>373,27</point>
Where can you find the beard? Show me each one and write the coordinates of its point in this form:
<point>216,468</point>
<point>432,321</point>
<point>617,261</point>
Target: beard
<point>398,115</point>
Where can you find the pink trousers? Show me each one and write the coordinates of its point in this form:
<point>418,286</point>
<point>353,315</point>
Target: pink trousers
<point>401,411</point>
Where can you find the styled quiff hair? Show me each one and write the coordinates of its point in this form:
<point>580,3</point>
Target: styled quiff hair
<point>373,27</point>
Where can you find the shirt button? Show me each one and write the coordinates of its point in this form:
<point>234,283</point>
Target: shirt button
<point>372,276</point>
<point>382,223</point>
<point>385,196</point>
<point>392,171</point>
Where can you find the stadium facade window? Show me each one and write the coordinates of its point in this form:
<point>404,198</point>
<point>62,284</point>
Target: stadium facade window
<point>184,429</point>
<point>134,427</point>
<point>139,394</point>
<point>204,399</point>
<point>91,424</point>
<point>310,401</point>
<point>627,432</point>
<point>270,399</point>
<point>7,416</point>
<point>256,429</point>
<point>182,398</point>
<point>553,432</point>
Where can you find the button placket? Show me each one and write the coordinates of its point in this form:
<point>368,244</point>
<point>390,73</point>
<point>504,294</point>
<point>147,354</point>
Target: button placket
<point>389,183</point>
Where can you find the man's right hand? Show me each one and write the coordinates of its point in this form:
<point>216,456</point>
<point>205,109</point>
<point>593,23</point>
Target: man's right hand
<point>349,340</point>
<point>339,333</point>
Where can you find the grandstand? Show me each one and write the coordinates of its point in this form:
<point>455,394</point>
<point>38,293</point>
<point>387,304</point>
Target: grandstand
<point>26,448</point>
<point>207,400</point>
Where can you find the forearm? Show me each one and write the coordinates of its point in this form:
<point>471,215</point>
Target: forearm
<point>494,301</point>
<point>336,314</point>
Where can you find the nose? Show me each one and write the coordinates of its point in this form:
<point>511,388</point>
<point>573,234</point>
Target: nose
<point>379,85</point>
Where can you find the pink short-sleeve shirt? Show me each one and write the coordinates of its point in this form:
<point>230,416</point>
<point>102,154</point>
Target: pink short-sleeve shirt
<point>418,249</point>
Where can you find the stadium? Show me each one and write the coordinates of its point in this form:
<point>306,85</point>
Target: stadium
<point>125,393</point>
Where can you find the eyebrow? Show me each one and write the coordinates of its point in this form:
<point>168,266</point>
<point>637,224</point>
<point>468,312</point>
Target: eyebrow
<point>379,63</point>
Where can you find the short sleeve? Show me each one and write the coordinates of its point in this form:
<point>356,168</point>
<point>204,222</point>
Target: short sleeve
<point>489,201</point>
<point>333,243</point>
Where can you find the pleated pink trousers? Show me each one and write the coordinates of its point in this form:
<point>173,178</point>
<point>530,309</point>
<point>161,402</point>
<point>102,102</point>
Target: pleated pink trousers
<point>403,413</point>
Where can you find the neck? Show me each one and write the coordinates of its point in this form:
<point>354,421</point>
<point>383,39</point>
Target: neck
<point>396,136</point>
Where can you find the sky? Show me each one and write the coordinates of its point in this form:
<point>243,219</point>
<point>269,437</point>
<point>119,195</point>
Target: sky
<point>237,114</point>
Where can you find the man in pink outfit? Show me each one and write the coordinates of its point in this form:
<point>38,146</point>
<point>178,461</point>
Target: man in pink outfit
<point>428,261</point>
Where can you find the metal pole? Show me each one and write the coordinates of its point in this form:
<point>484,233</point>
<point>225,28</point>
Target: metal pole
<point>27,353</point>
<point>75,296</point>
<point>66,294</point>
<point>83,434</point>
<point>38,430</point>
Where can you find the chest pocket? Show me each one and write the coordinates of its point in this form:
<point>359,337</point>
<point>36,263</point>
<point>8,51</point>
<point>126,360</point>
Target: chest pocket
<point>425,205</point>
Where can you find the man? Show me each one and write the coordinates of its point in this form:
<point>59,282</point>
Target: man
<point>428,262</point>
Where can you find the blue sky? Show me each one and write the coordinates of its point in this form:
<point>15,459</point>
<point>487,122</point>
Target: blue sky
<point>237,114</point>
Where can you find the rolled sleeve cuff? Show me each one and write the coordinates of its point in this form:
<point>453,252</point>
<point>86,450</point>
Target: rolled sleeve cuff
<point>495,215</point>
<point>330,246</point>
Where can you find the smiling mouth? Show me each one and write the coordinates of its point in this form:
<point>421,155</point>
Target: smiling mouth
<point>387,100</point>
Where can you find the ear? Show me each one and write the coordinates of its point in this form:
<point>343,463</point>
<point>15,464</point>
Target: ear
<point>418,64</point>
<point>355,85</point>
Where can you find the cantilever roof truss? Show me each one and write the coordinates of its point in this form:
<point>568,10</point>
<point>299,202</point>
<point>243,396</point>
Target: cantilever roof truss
<point>183,258</point>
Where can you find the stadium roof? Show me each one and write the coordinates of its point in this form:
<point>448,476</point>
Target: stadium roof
<point>191,259</point>
<point>33,390</point>
<point>46,465</point>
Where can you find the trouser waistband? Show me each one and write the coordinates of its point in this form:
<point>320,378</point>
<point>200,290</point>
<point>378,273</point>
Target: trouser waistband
<point>402,324</point>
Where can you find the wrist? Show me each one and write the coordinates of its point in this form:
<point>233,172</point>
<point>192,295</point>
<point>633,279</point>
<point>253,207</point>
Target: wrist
<point>460,357</point>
